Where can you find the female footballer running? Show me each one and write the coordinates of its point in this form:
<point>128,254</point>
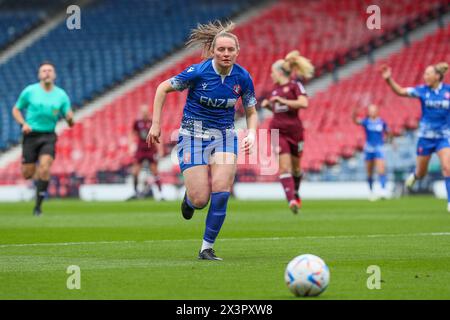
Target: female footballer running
<point>287,98</point>
<point>207,140</point>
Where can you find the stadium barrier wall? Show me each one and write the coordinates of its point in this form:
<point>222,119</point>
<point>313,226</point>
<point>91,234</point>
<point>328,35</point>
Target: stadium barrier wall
<point>16,193</point>
<point>242,191</point>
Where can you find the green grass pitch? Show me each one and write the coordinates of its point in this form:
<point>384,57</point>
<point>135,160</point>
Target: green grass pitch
<point>145,250</point>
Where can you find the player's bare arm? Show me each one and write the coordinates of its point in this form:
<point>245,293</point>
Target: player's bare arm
<point>252,122</point>
<point>266,104</point>
<point>300,102</point>
<point>355,116</point>
<point>69,118</point>
<point>20,120</point>
<point>386,73</point>
<point>160,97</point>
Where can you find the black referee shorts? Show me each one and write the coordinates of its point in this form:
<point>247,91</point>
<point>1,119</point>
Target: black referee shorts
<point>35,144</point>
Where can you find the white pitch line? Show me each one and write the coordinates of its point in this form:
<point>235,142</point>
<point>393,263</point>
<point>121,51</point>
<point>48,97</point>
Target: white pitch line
<point>394,235</point>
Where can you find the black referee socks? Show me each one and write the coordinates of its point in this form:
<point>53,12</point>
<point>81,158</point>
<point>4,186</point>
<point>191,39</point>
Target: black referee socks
<point>41,191</point>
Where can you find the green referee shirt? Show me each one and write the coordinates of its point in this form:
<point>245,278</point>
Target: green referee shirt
<point>43,108</point>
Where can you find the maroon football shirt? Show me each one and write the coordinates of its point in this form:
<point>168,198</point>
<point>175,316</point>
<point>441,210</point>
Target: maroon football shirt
<point>287,119</point>
<point>141,127</point>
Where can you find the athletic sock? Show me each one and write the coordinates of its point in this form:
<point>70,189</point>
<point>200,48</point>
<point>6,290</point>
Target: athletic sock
<point>206,245</point>
<point>383,181</point>
<point>216,216</point>
<point>297,180</point>
<point>41,191</point>
<point>447,186</point>
<point>135,183</point>
<point>158,183</point>
<point>370,182</point>
<point>288,185</point>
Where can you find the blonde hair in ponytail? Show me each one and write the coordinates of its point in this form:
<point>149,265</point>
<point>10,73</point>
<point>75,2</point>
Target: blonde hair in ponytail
<point>294,62</point>
<point>207,34</point>
<point>441,68</point>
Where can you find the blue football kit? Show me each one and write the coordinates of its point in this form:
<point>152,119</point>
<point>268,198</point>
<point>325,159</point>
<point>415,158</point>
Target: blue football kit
<point>207,125</point>
<point>434,127</point>
<point>374,129</point>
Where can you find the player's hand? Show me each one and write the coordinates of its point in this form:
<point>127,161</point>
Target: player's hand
<point>386,72</point>
<point>70,122</point>
<point>153,135</point>
<point>275,99</point>
<point>248,142</point>
<point>265,104</point>
<point>26,128</point>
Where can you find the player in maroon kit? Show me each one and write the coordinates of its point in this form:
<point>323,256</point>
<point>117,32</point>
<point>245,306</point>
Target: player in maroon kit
<point>143,152</point>
<point>287,98</point>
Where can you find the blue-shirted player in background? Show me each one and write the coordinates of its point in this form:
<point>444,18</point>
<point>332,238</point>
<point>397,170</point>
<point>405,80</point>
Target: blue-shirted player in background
<point>207,138</point>
<point>375,129</point>
<point>434,129</point>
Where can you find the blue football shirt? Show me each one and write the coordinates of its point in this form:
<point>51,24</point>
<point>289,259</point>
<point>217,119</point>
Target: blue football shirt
<point>375,129</point>
<point>435,121</point>
<point>212,97</point>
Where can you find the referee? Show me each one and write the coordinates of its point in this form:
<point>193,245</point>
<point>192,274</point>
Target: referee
<point>43,102</point>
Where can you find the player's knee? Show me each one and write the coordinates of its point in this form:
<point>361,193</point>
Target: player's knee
<point>200,203</point>
<point>199,199</point>
<point>285,170</point>
<point>446,169</point>
<point>27,173</point>
<point>44,169</point>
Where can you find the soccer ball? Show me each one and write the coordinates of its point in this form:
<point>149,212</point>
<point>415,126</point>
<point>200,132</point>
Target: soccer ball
<point>307,275</point>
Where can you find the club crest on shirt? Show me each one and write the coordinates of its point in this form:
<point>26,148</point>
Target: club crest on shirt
<point>55,111</point>
<point>237,89</point>
<point>187,157</point>
<point>447,95</point>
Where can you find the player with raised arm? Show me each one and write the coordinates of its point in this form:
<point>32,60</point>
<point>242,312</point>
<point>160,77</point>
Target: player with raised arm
<point>375,129</point>
<point>207,139</point>
<point>434,128</point>
<point>43,102</point>
<point>143,152</point>
<point>287,98</point>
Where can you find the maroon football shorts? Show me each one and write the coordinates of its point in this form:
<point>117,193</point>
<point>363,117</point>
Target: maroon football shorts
<point>141,156</point>
<point>288,143</point>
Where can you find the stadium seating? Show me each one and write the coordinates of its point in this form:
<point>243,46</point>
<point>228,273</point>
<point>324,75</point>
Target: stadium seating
<point>330,132</point>
<point>117,39</point>
<point>324,31</point>
<point>18,17</point>
<point>14,23</point>
<point>100,142</point>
